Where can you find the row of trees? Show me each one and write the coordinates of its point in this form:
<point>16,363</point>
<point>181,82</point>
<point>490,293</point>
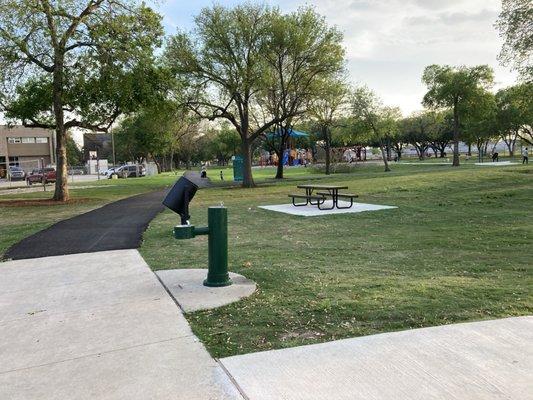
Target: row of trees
<point>86,64</point>
<point>263,72</point>
<point>474,114</point>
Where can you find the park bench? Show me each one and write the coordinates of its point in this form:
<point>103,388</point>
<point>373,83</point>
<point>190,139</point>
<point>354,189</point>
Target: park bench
<point>309,198</point>
<point>349,196</point>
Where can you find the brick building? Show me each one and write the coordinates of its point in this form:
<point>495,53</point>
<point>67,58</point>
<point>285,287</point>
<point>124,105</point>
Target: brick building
<point>25,147</point>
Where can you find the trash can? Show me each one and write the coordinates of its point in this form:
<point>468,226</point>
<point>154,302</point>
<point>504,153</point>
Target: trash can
<point>238,169</point>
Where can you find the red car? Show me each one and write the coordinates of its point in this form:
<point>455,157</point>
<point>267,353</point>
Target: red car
<point>40,176</point>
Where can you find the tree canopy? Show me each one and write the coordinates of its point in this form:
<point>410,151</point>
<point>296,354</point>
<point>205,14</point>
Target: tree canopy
<point>373,117</point>
<point>75,64</point>
<point>453,87</point>
<point>515,24</point>
<point>241,58</point>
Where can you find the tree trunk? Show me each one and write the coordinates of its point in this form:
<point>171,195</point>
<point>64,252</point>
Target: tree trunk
<point>279,152</point>
<point>247,177</point>
<point>279,167</point>
<point>327,148</point>
<point>399,154</point>
<point>61,189</point>
<point>384,156</point>
<point>455,135</point>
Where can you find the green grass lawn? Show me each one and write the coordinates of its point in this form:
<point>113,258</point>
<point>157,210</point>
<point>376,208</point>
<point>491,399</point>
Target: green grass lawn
<point>458,248</point>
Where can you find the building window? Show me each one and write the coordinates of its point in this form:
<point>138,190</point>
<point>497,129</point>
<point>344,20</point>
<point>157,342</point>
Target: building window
<point>13,140</point>
<point>41,140</point>
<point>14,161</point>
<point>28,140</point>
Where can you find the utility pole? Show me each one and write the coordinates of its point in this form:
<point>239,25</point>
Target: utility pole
<point>113,148</point>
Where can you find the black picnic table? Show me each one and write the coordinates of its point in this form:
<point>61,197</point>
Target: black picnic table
<point>332,189</point>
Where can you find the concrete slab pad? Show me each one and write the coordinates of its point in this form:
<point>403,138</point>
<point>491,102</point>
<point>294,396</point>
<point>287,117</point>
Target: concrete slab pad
<point>422,163</point>
<point>481,360</point>
<point>496,164</point>
<point>98,326</point>
<point>313,211</point>
<point>186,286</point>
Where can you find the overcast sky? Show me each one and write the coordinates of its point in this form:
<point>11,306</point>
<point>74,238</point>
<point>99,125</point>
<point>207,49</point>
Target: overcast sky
<point>389,42</point>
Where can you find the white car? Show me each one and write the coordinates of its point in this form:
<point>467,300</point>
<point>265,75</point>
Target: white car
<point>109,171</point>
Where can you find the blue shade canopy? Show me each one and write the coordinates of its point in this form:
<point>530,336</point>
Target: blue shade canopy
<point>293,133</point>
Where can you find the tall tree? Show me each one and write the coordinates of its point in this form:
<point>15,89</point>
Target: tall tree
<point>480,125</point>
<point>417,130</point>
<point>373,117</point>
<point>230,62</point>
<point>74,153</point>
<point>326,111</point>
<point>302,52</point>
<point>515,24</point>
<point>453,87</point>
<point>223,62</point>
<point>155,133</point>
<point>224,143</point>
<point>80,56</point>
<point>442,134</point>
<point>515,114</point>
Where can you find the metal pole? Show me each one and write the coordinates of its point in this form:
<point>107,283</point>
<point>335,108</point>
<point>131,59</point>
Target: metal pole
<point>43,179</point>
<point>217,275</point>
<point>113,147</point>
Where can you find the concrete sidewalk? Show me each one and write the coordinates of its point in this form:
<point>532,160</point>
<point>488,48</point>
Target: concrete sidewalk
<point>98,326</point>
<point>477,361</point>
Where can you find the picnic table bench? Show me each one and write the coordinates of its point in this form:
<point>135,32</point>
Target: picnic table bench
<point>324,192</point>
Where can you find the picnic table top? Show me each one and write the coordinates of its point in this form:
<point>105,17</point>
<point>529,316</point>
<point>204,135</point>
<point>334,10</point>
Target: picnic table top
<point>326,187</point>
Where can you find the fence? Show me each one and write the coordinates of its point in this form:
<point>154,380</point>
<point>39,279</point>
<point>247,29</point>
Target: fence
<point>16,175</point>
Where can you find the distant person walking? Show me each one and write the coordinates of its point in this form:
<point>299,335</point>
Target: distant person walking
<point>525,156</point>
<point>495,157</point>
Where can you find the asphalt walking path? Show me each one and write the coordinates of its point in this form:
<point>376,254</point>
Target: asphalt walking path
<point>115,226</point>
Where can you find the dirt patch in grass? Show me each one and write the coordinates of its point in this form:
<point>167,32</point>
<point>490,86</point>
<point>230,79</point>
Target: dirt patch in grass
<point>41,202</point>
<point>310,335</point>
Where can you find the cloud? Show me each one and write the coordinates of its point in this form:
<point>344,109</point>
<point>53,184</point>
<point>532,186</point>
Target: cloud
<point>389,43</point>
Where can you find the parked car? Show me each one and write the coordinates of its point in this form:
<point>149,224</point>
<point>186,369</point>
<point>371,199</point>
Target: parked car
<point>16,173</point>
<point>41,176</point>
<point>76,171</point>
<point>108,172</point>
<point>130,171</point>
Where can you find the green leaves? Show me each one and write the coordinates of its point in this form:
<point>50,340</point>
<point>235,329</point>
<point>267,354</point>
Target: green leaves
<point>447,85</point>
<point>514,24</point>
<point>105,53</point>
